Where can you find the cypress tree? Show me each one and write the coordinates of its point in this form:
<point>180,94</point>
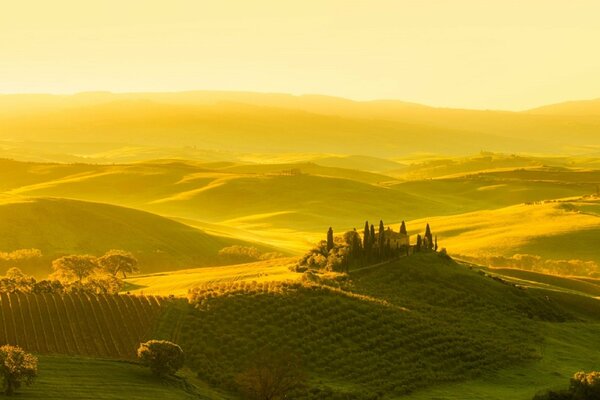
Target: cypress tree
<point>419,243</point>
<point>329,239</point>
<point>367,238</point>
<point>429,238</point>
<point>356,243</point>
<point>403,229</point>
<point>372,235</point>
<point>436,244</point>
<point>381,238</point>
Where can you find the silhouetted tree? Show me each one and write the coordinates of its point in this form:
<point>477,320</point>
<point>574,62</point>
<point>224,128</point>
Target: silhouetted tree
<point>429,238</point>
<point>436,244</point>
<point>118,261</point>
<point>373,238</point>
<point>403,229</point>
<point>381,238</point>
<point>329,239</point>
<point>419,244</point>
<point>70,268</point>
<point>161,356</point>
<point>16,367</point>
<point>367,239</point>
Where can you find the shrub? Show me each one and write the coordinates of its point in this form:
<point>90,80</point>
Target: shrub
<point>17,367</point>
<point>161,356</point>
<point>271,376</point>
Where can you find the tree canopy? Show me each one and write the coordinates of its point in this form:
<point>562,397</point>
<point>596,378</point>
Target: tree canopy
<point>17,367</point>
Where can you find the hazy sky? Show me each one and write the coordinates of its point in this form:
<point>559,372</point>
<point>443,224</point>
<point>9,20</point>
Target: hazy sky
<point>460,53</point>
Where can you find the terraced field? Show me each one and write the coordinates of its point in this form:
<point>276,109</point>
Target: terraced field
<point>107,326</point>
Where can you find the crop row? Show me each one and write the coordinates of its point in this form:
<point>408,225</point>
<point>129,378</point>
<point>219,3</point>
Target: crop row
<point>77,323</point>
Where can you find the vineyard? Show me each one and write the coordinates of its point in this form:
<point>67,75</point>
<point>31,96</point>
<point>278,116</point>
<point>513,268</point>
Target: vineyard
<point>108,326</point>
<point>414,323</point>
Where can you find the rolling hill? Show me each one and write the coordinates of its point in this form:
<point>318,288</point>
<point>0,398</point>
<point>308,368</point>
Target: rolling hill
<point>554,230</point>
<point>242,121</point>
<point>379,330</point>
<point>289,205</point>
<point>59,226</point>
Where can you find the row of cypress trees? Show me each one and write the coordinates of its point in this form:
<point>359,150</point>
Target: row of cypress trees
<point>379,246</point>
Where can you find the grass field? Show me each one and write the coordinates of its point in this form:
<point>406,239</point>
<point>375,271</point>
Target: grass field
<point>567,348</point>
<point>554,230</point>
<point>178,283</point>
<point>80,378</point>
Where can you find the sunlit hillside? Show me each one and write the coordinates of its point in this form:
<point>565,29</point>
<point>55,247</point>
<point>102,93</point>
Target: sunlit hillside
<point>562,230</point>
<point>60,227</point>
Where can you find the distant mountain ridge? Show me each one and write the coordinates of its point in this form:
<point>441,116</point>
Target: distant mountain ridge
<point>256,122</point>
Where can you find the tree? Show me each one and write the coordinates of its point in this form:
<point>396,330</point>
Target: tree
<point>367,239</point>
<point>429,238</point>
<point>118,261</point>
<point>329,239</point>
<point>403,230</point>
<point>70,268</point>
<point>373,238</point>
<point>381,238</point>
<point>435,247</point>
<point>271,376</point>
<point>17,367</point>
<point>161,356</point>
<point>16,280</point>
<point>419,243</point>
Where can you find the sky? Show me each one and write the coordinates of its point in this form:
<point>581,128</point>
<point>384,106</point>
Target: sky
<point>483,54</point>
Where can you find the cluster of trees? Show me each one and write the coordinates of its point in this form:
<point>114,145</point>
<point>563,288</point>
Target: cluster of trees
<point>351,250</point>
<point>76,273</point>
<point>582,387</point>
<point>23,258</point>
<point>237,254</point>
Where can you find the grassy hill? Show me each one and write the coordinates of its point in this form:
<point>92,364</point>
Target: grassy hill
<point>60,226</point>
<point>566,230</point>
<point>416,326</point>
<point>178,283</point>
<point>77,378</point>
<point>267,203</point>
<point>415,323</point>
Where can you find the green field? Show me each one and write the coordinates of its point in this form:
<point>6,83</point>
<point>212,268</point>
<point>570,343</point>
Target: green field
<point>95,379</point>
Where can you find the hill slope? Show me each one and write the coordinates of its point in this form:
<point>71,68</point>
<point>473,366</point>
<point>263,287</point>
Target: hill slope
<point>385,330</point>
<point>60,226</point>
